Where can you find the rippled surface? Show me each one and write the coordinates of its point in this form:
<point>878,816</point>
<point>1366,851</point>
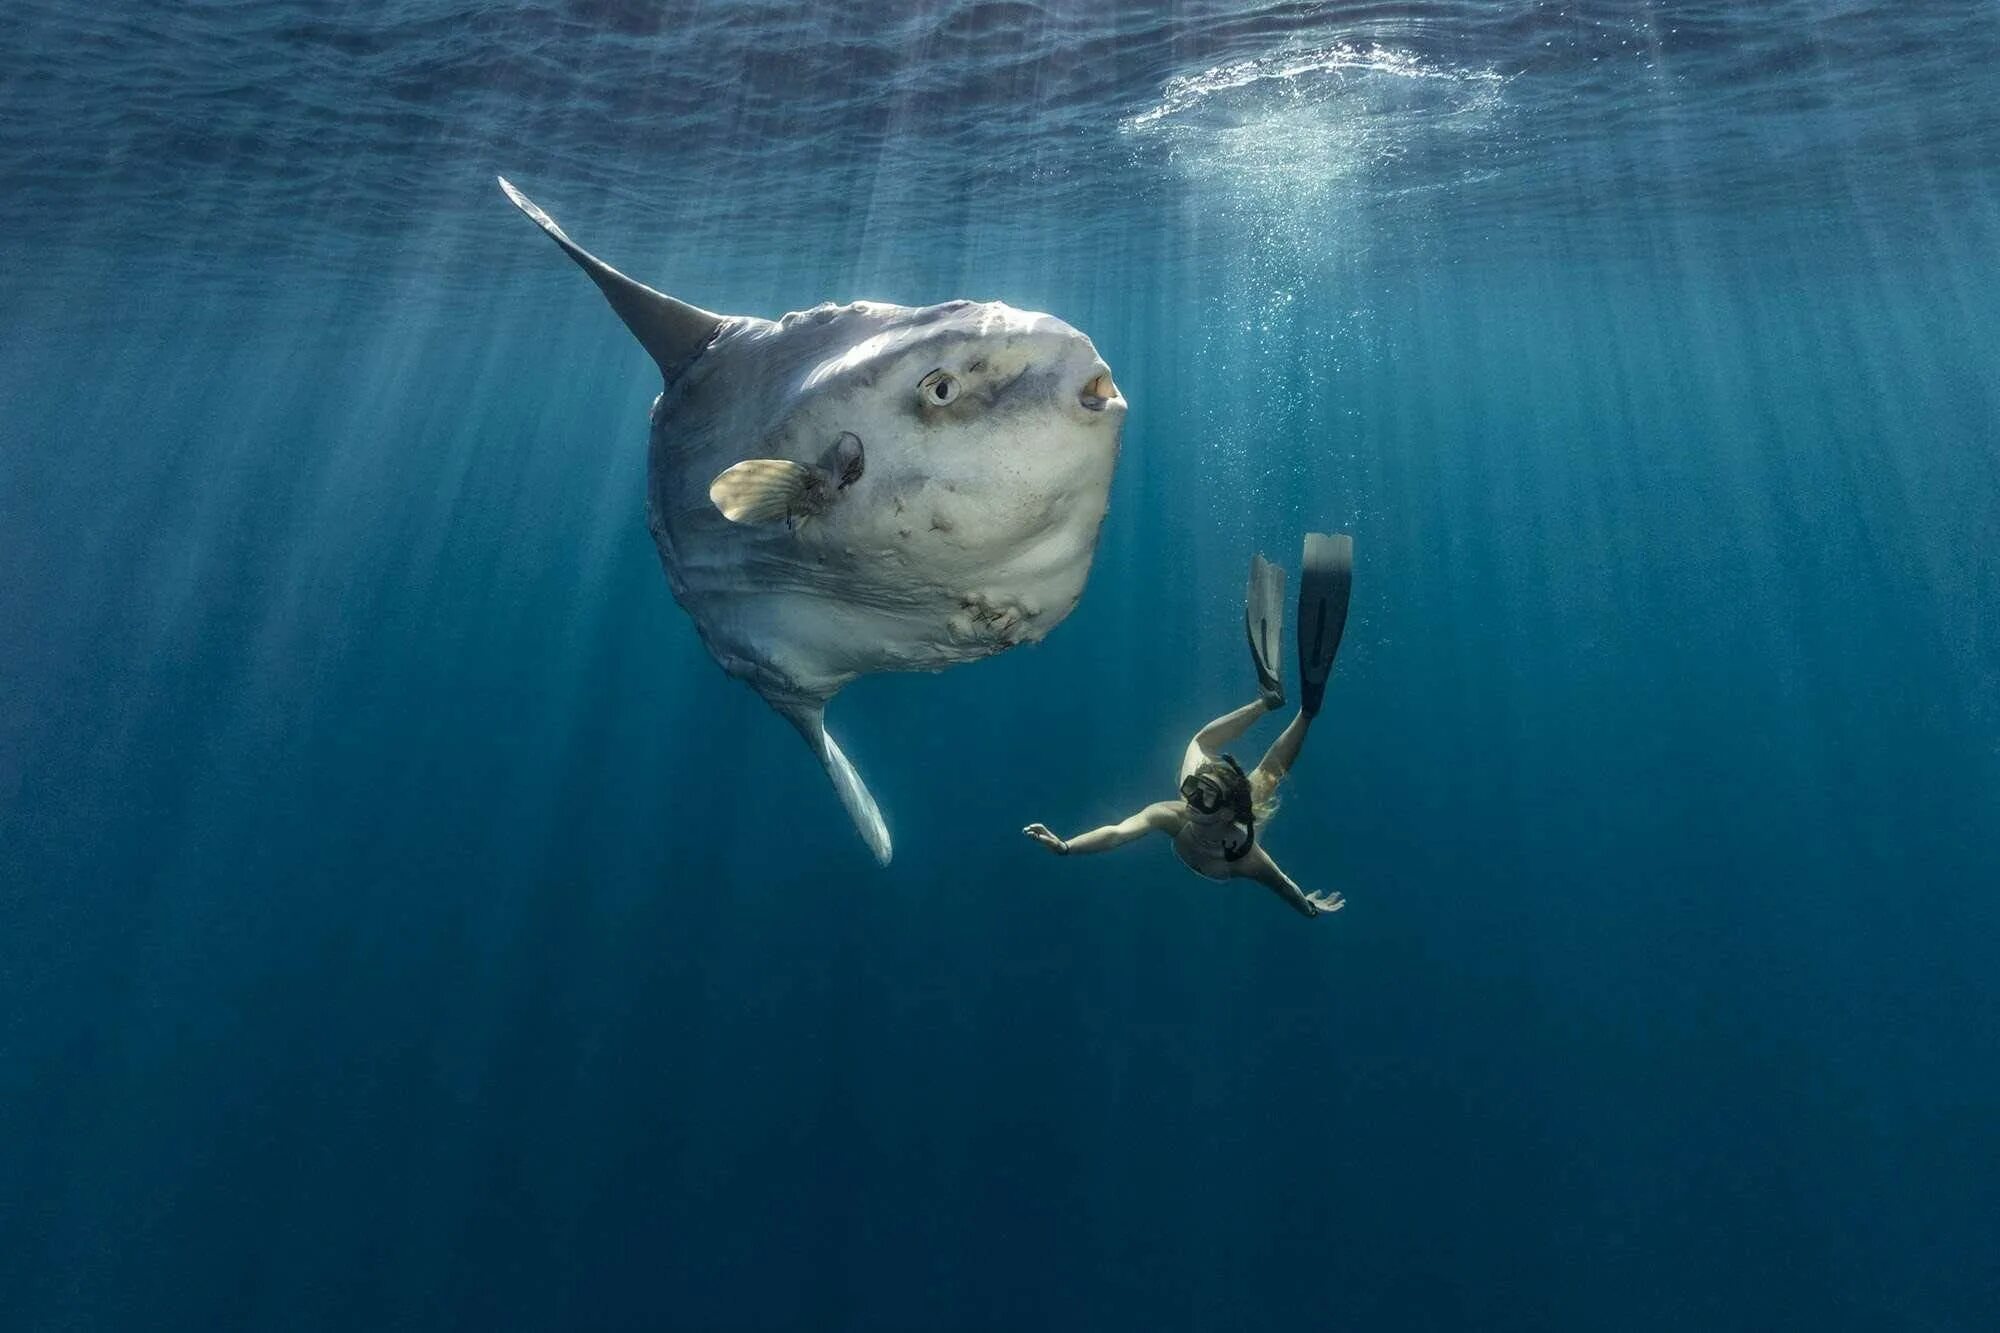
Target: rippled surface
<point>217,129</point>
<point>403,924</point>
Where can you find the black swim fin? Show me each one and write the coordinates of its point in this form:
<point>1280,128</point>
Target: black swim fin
<point>1326,576</point>
<point>1264,623</point>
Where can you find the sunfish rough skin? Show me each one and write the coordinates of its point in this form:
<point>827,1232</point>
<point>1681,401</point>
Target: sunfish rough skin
<point>867,487</point>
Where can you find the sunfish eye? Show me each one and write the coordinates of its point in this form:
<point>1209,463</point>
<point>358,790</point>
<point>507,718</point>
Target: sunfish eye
<point>938,388</point>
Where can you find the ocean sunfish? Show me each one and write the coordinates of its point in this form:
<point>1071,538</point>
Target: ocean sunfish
<point>866,487</point>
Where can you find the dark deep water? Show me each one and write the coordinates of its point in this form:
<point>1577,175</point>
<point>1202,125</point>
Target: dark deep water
<point>403,923</point>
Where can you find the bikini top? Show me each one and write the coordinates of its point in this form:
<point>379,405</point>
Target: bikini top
<point>1216,837</point>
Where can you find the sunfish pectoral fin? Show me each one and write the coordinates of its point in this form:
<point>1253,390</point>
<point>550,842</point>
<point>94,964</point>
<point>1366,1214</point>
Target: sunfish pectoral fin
<point>810,719</point>
<point>673,332</point>
<point>766,490</point>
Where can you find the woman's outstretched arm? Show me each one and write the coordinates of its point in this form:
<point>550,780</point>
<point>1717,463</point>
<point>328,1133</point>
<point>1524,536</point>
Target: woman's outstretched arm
<point>1162,816</point>
<point>1260,867</point>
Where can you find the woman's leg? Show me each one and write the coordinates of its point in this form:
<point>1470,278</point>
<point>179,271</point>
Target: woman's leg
<point>1229,726</point>
<point>1208,742</point>
<point>1278,760</point>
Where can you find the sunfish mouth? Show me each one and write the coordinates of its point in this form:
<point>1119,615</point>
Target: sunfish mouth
<point>1099,392</point>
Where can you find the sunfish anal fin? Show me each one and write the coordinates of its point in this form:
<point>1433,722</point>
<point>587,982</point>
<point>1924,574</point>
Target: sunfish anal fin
<point>810,719</point>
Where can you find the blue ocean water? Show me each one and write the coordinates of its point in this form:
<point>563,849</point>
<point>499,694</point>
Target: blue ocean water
<point>403,923</point>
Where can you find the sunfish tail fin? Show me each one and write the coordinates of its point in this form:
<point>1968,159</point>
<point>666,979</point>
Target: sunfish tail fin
<point>673,332</point>
<point>861,808</point>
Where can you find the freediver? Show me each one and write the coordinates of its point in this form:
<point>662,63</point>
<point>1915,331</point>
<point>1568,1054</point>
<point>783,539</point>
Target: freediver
<point>1214,823</point>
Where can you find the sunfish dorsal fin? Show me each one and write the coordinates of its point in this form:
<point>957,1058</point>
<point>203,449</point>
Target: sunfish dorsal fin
<point>672,332</point>
<point>810,719</point>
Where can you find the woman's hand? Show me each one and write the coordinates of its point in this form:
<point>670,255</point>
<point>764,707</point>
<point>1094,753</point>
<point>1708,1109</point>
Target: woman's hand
<point>1041,834</point>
